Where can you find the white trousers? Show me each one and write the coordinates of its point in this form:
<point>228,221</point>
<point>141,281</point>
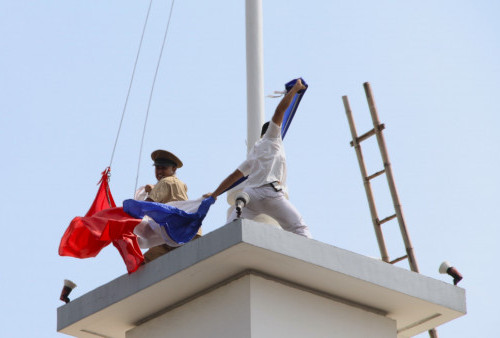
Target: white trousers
<point>265,200</point>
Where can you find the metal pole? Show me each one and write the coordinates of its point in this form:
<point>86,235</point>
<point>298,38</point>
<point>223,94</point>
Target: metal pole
<point>390,178</point>
<point>366,181</point>
<point>255,70</point>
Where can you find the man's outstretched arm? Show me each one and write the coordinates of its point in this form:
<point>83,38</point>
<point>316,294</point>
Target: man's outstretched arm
<point>236,175</point>
<point>286,101</point>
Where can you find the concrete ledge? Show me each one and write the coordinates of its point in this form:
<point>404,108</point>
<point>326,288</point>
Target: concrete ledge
<point>416,302</point>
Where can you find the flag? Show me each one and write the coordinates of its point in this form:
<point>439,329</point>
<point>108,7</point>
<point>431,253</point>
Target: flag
<point>174,223</point>
<point>290,112</point>
<point>103,224</point>
<point>138,222</point>
<point>103,199</point>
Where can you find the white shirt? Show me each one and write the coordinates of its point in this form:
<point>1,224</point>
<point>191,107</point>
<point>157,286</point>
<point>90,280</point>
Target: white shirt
<point>266,161</point>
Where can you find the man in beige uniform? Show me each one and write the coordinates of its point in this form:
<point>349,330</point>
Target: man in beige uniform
<point>168,189</point>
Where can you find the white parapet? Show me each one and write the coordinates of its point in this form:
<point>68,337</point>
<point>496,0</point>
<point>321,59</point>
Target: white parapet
<point>249,279</point>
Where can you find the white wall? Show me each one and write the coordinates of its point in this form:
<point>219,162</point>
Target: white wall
<point>256,307</point>
<point>224,312</point>
<point>282,311</point>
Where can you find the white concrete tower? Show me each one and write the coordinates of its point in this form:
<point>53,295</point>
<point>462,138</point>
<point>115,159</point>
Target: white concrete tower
<point>251,280</point>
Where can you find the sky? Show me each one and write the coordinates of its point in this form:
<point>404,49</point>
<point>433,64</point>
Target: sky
<point>435,74</point>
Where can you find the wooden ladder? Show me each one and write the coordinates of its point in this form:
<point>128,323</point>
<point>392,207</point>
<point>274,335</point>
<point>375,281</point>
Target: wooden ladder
<point>377,223</point>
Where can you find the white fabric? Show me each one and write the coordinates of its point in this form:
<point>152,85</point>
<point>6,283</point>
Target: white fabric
<point>141,194</point>
<point>150,234</point>
<point>277,93</point>
<point>231,197</point>
<point>266,161</point>
<point>267,201</point>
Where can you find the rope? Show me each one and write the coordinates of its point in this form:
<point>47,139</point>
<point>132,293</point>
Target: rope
<point>151,93</point>
<point>130,84</point>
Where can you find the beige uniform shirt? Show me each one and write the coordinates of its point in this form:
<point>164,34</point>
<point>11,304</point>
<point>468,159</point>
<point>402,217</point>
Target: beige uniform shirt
<point>169,189</point>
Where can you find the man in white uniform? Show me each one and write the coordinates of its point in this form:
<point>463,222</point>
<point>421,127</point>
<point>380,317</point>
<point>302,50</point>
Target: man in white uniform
<point>266,170</point>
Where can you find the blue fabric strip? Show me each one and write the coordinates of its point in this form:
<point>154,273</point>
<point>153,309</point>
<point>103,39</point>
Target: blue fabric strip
<point>290,112</point>
<point>181,226</point>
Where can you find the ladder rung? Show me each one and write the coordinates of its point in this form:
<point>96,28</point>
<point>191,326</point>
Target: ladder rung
<point>387,219</point>
<point>378,173</point>
<point>368,134</point>
<point>398,259</point>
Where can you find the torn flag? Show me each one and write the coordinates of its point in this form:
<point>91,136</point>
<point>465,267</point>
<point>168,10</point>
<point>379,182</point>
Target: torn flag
<point>155,223</point>
<point>103,224</point>
<point>174,223</point>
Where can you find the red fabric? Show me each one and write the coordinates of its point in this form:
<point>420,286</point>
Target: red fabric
<point>130,251</point>
<point>104,223</point>
<point>119,229</point>
<point>103,199</point>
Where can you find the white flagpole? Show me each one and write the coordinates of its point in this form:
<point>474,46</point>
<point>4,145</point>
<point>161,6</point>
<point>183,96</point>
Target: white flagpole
<point>255,70</point>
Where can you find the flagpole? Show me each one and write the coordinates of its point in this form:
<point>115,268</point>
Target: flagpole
<point>255,70</point>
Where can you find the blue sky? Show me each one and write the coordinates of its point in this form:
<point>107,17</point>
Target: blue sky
<point>433,66</point>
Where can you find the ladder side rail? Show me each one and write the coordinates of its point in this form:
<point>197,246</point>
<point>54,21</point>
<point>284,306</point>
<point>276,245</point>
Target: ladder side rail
<point>390,178</point>
<point>366,182</point>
